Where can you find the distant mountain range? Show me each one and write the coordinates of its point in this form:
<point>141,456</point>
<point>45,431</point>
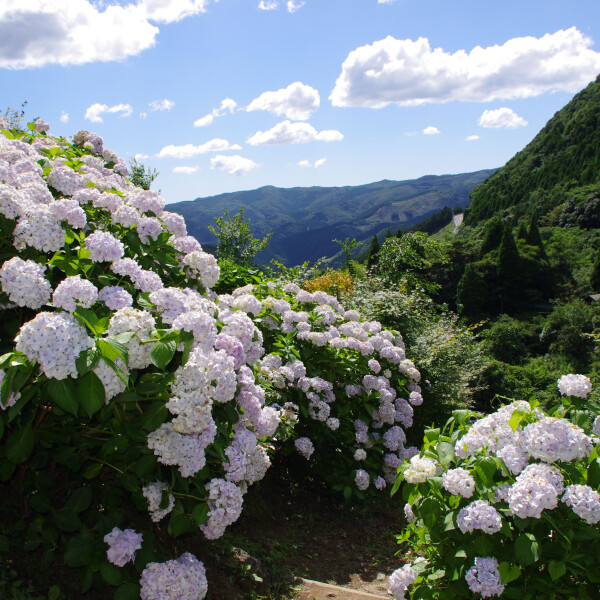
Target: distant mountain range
<point>304,221</point>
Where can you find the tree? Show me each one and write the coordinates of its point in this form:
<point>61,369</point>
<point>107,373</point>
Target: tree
<point>235,241</point>
<point>509,262</point>
<point>373,250</point>
<point>347,246</point>
<point>595,275</point>
<point>141,176</point>
<point>492,236</point>
<point>471,293</point>
<point>534,237</point>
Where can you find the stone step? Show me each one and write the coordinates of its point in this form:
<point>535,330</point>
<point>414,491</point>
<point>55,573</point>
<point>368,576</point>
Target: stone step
<point>315,590</point>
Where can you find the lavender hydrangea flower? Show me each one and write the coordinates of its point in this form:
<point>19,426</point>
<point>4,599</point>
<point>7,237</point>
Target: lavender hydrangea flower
<point>181,579</point>
<point>400,580</point>
<point>122,546</point>
<point>484,577</point>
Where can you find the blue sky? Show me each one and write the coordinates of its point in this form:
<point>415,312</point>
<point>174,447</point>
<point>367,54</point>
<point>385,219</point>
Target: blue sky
<point>228,95</point>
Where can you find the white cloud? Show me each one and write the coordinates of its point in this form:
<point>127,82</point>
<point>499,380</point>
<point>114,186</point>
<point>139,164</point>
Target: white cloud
<point>410,133</point>
<point>189,150</point>
<point>94,111</point>
<point>410,73</point>
<point>64,117</point>
<point>140,156</point>
<point>294,5</point>
<point>185,170</point>
<point>287,132</point>
<point>306,163</point>
<point>472,138</point>
<point>431,130</point>
<point>143,115</point>
<point>161,104</point>
<point>385,1</point>
<point>167,11</point>
<point>297,101</point>
<point>268,4</point>
<point>501,118</point>
<point>228,105</point>
<point>234,165</point>
<point>35,33</point>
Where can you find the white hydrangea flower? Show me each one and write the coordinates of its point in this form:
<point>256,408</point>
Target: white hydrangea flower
<point>479,515</point>
<point>574,385</point>
<point>54,341</point>
<point>585,502</point>
<point>458,482</point>
<point>400,580</point>
<point>24,283</point>
<point>153,493</point>
<point>484,577</point>
<point>73,292</point>
<point>420,470</point>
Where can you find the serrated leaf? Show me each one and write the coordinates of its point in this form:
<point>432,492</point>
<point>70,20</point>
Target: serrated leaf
<point>20,444</point>
<point>508,572</point>
<point>430,511</point>
<point>593,474</point>
<point>92,470</point>
<point>527,549</point>
<point>557,569</point>
<point>80,549</point>
<point>64,393</point>
<point>180,524</point>
<point>154,416</point>
<point>128,591</point>
<point>87,360</point>
<point>111,574</point>
<point>200,513</point>
<point>80,499</point>
<point>91,393</point>
<point>162,353</point>
<point>445,452</point>
<point>116,349</point>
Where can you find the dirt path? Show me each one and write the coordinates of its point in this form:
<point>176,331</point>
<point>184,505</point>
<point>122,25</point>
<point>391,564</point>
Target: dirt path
<point>458,219</point>
<point>315,590</point>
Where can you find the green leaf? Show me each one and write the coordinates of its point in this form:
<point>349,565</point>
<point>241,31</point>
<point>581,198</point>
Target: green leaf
<point>66,519</point>
<point>92,470</point>
<point>87,360</point>
<point>80,499</point>
<point>527,549</point>
<point>111,574</point>
<point>80,549</point>
<point>557,569</point>
<point>430,511</point>
<point>91,393</point>
<point>486,468</point>
<point>593,474</point>
<point>445,452</point>
<point>154,416</point>
<point>64,393</point>
<point>200,513</point>
<point>54,593</point>
<point>162,353</point>
<point>40,503</point>
<point>113,349</point>
<point>128,591</point>
<point>180,524</point>
<point>88,318</point>
<point>20,444</point>
<point>6,387</point>
<point>508,572</point>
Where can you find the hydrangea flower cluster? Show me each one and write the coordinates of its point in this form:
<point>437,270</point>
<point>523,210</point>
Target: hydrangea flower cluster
<point>183,578</point>
<point>520,482</point>
<point>122,546</point>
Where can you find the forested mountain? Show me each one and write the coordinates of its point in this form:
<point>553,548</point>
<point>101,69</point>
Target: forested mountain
<point>304,221</point>
<point>565,155</point>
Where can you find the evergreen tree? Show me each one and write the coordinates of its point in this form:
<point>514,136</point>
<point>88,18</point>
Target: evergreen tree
<point>373,250</point>
<point>508,269</point>
<point>388,234</point>
<point>534,237</point>
<point>471,293</point>
<point>522,231</point>
<point>492,236</point>
<point>595,276</point>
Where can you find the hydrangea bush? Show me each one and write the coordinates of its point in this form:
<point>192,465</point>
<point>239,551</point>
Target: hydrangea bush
<point>506,505</point>
<point>126,379</point>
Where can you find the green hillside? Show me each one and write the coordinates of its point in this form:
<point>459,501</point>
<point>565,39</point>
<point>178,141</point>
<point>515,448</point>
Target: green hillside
<point>565,155</point>
<point>304,221</point>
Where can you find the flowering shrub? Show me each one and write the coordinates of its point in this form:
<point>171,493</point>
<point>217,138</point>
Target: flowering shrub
<point>126,380</point>
<point>332,282</point>
<point>506,505</point>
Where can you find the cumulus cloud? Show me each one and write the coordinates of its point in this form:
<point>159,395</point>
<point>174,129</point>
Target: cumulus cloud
<point>167,11</point>
<point>307,164</point>
<point>185,170</point>
<point>189,150</point>
<point>64,117</point>
<point>161,104</point>
<point>431,130</point>
<point>297,101</point>
<point>34,33</point>
<point>501,118</point>
<point>268,4</point>
<point>140,156</point>
<point>472,138</point>
<point>94,111</point>
<point>294,5</point>
<point>234,165</point>
<point>410,73</point>
<point>287,132</point>
<point>227,106</point>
